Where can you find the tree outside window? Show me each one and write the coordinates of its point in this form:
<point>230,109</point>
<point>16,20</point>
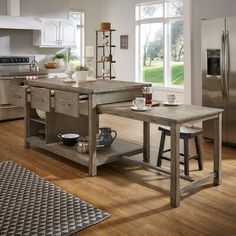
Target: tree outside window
<point>76,54</point>
<point>160,42</point>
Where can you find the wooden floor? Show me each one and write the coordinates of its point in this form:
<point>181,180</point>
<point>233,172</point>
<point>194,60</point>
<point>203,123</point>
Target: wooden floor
<point>134,196</point>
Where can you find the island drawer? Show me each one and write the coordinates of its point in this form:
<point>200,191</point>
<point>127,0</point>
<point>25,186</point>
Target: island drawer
<point>40,99</point>
<point>67,103</point>
<point>18,95</point>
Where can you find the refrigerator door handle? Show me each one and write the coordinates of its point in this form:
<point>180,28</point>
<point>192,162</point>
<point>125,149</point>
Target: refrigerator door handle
<point>222,69</point>
<point>227,64</point>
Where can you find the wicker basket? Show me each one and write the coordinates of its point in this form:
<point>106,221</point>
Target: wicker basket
<point>105,26</point>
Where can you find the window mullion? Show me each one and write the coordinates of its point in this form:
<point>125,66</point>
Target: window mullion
<point>167,72</point>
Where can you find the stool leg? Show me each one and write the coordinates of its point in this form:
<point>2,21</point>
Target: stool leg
<point>199,152</point>
<point>161,149</point>
<point>186,157</point>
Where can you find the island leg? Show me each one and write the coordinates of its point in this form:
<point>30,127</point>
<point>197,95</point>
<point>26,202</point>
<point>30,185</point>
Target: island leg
<point>174,178</point>
<point>217,149</point>
<point>146,141</point>
<point>26,122</point>
<point>92,117</point>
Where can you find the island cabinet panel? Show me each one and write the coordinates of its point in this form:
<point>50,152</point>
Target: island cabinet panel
<point>18,95</point>
<point>57,123</point>
<point>67,103</point>
<point>41,99</point>
<point>118,97</point>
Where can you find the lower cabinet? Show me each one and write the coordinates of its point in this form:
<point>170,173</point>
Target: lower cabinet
<point>18,95</point>
<point>66,103</point>
<point>40,98</point>
<point>62,113</point>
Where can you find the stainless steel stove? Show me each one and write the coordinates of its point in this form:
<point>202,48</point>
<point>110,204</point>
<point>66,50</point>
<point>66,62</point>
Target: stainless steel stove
<point>21,69</point>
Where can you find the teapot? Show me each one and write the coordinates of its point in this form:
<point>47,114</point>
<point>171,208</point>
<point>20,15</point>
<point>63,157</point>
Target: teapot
<point>106,136</point>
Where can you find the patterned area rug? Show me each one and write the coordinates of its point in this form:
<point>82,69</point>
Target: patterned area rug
<point>29,205</point>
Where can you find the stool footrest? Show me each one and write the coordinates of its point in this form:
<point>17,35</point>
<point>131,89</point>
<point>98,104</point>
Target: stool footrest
<point>168,159</point>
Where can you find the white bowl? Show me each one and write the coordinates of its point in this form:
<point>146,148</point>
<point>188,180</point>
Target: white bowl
<point>41,114</point>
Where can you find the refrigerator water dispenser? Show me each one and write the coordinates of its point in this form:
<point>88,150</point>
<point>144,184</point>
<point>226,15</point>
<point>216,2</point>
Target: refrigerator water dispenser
<point>213,62</point>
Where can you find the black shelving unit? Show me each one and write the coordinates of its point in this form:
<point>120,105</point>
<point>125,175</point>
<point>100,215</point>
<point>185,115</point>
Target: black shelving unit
<point>104,54</point>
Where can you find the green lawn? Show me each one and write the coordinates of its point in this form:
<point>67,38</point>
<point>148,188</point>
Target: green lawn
<point>154,73</point>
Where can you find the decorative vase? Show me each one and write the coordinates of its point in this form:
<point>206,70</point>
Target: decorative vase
<point>82,75</point>
<point>61,62</point>
<point>106,136</point>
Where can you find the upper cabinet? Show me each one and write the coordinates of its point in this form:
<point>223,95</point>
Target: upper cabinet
<point>55,33</point>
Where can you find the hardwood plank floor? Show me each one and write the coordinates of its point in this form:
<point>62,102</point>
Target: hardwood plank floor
<point>135,196</point>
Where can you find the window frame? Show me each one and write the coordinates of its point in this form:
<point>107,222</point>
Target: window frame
<point>166,20</point>
<point>80,26</point>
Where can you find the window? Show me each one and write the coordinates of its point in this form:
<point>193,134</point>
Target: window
<point>77,54</point>
<point>159,47</point>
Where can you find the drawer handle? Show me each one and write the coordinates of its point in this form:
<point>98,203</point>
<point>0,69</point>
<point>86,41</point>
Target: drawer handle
<point>65,103</point>
<point>17,96</point>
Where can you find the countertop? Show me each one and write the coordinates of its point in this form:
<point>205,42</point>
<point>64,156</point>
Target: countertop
<point>163,115</point>
<point>87,87</point>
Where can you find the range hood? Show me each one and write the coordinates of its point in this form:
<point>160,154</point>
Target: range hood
<point>19,22</point>
<point>13,20</point>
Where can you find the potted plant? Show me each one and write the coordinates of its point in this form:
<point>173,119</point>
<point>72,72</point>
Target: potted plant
<point>60,58</point>
<point>82,72</point>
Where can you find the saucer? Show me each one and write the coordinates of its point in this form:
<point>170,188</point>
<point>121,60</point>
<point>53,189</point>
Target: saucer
<point>134,108</point>
<point>69,81</point>
<point>171,103</point>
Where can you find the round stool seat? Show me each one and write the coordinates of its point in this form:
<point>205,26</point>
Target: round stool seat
<point>185,131</point>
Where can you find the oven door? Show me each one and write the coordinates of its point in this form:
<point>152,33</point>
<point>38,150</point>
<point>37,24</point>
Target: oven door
<point>5,90</point>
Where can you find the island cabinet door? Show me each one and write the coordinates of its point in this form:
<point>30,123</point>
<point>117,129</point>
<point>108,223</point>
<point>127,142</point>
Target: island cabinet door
<point>41,99</point>
<point>67,103</point>
<point>18,95</point>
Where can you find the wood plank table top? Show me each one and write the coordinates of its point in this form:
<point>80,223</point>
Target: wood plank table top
<point>87,87</point>
<point>163,115</point>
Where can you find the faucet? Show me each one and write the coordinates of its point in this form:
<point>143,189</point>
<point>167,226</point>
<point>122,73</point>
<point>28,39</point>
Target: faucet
<point>34,66</point>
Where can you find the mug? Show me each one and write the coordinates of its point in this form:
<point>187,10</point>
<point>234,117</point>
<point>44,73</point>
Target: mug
<point>139,102</point>
<point>171,98</point>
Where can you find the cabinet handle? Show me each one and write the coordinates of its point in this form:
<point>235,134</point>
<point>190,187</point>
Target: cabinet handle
<point>57,41</point>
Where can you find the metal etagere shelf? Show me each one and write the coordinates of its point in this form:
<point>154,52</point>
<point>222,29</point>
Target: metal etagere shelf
<point>104,54</point>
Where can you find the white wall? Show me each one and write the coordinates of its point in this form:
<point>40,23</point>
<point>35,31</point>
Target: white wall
<point>3,7</point>
<point>121,14</point>
<point>205,9</point>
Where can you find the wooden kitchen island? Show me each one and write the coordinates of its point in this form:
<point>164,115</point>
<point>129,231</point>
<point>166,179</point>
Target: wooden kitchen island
<point>71,108</point>
<point>76,108</point>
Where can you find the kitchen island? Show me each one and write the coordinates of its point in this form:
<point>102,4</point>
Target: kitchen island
<point>72,108</point>
<point>76,108</point>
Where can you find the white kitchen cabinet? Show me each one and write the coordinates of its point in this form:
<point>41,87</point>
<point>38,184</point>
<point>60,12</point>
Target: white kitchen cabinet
<point>55,33</point>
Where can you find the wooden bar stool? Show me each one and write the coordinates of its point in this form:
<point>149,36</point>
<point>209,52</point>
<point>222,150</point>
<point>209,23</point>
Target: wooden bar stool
<point>186,133</point>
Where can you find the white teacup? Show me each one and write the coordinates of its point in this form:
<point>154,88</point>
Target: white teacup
<point>171,98</point>
<point>139,102</point>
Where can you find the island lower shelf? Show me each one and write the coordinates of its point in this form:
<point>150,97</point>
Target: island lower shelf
<point>105,155</point>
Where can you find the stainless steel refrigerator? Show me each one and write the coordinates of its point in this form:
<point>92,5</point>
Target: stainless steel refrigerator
<point>219,73</point>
